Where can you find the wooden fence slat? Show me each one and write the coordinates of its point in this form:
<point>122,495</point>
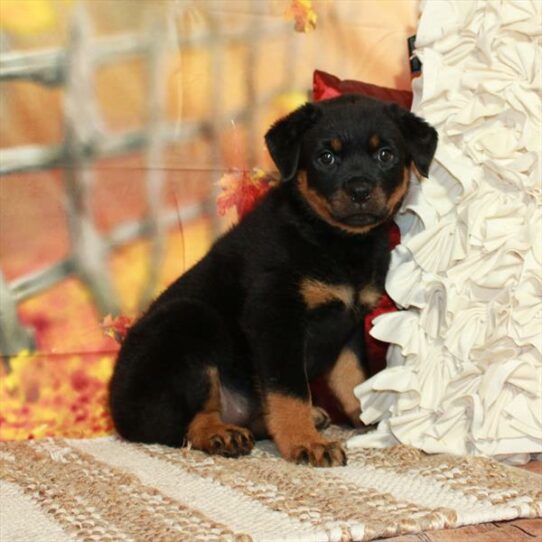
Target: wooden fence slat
<point>14,337</point>
<point>38,157</point>
<point>46,67</point>
<point>82,127</point>
<point>155,178</point>
<point>253,30</point>
<point>29,158</point>
<point>216,50</point>
<point>37,281</point>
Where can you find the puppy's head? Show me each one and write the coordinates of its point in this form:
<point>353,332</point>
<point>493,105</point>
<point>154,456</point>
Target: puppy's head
<point>350,157</point>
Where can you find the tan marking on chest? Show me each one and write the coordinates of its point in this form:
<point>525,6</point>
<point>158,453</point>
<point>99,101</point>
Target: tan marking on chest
<point>369,296</point>
<point>316,293</point>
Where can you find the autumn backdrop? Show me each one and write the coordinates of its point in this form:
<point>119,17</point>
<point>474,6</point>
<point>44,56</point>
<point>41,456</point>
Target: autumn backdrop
<point>123,121</point>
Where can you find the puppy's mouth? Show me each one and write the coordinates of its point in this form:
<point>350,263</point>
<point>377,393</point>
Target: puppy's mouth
<point>359,219</point>
<point>359,214</point>
<point>341,211</point>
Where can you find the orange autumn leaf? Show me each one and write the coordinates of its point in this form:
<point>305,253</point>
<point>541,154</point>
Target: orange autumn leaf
<point>303,14</point>
<point>116,327</point>
<point>242,189</point>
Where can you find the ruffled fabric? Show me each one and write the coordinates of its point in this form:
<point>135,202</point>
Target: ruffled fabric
<point>464,369</point>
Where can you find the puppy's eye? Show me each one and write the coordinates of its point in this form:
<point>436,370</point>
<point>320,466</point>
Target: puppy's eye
<point>327,158</point>
<point>385,155</point>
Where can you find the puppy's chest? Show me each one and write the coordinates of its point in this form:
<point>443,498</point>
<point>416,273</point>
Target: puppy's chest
<point>358,296</point>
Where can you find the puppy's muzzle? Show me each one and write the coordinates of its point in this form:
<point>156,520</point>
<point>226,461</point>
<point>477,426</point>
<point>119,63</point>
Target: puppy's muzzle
<point>359,191</point>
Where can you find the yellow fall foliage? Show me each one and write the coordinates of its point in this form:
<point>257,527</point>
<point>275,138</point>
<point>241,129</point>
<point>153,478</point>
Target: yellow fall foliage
<point>26,17</point>
<point>303,14</point>
<point>288,101</point>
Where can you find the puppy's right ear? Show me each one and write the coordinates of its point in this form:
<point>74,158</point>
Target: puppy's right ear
<point>284,138</point>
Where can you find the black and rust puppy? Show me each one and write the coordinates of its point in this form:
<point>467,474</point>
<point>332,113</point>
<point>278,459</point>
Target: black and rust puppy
<point>229,349</point>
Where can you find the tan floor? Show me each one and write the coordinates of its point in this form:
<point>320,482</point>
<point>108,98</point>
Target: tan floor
<point>519,530</point>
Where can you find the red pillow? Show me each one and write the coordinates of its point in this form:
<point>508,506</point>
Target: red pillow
<point>327,86</point>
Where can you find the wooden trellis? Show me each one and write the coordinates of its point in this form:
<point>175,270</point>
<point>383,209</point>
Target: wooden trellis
<point>86,140</point>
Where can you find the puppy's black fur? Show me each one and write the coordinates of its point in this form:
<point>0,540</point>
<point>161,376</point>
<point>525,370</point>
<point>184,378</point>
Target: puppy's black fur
<point>279,299</point>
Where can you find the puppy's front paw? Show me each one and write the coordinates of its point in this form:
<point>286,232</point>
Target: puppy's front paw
<point>319,454</point>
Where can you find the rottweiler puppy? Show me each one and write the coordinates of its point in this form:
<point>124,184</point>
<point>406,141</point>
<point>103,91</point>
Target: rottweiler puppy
<point>228,350</point>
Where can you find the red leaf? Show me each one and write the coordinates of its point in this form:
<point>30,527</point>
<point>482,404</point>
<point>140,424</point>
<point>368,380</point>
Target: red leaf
<point>116,327</point>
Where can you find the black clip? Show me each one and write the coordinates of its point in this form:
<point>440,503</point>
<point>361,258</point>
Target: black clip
<point>415,63</point>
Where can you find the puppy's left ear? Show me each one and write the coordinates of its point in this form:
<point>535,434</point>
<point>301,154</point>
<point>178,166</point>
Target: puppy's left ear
<point>420,138</point>
<point>284,138</point>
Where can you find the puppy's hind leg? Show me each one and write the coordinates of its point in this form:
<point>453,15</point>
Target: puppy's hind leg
<point>165,387</point>
<point>208,432</point>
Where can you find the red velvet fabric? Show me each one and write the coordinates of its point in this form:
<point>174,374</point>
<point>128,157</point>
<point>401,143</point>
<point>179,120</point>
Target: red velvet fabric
<point>327,86</point>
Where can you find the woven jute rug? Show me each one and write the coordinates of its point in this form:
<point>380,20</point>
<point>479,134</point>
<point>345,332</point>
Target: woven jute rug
<point>108,490</point>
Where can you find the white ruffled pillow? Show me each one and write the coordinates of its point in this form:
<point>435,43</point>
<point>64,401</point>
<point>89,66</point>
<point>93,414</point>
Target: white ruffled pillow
<point>464,369</point>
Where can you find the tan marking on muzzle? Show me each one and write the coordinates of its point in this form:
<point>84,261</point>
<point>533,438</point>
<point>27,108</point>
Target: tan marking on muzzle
<point>322,207</point>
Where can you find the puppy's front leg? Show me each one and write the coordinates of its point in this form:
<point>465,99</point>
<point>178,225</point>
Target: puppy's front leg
<point>290,422</point>
<point>347,373</point>
<point>274,325</point>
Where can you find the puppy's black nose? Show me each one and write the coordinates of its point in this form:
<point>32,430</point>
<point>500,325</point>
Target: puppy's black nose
<point>359,191</point>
